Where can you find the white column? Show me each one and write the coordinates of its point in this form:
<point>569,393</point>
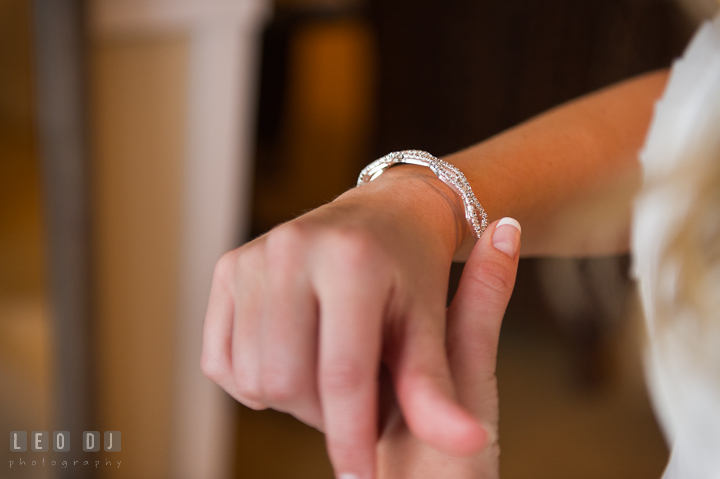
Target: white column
<point>216,212</point>
<point>224,42</point>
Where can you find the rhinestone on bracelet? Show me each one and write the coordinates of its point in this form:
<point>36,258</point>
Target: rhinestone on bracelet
<point>448,174</point>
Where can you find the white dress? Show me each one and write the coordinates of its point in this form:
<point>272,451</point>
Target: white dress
<point>683,353</point>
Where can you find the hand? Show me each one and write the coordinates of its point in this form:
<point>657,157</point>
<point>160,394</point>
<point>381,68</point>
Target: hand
<point>300,318</point>
<point>473,322</point>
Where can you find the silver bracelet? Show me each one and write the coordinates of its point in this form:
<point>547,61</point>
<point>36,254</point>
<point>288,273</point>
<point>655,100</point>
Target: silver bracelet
<point>448,174</point>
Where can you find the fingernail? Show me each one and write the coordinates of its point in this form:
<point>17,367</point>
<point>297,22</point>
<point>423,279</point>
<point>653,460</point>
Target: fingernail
<point>348,476</point>
<point>506,237</point>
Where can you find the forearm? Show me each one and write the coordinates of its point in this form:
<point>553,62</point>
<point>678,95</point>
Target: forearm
<point>568,175</point>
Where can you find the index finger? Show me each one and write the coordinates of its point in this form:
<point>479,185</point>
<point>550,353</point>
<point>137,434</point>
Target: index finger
<point>352,305</point>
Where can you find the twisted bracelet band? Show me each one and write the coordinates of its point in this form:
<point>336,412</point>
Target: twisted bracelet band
<point>448,174</point>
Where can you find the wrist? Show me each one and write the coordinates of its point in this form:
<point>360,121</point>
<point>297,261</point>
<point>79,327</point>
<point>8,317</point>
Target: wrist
<point>431,204</point>
<point>448,174</point>
<point>423,183</point>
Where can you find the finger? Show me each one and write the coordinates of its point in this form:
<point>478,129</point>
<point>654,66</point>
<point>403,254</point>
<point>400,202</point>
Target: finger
<point>288,361</point>
<point>476,314</point>
<point>248,288</point>
<point>216,357</point>
<point>425,388</point>
<point>352,304</point>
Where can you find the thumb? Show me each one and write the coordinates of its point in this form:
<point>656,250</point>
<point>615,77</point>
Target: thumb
<point>476,313</point>
<point>434,381</point>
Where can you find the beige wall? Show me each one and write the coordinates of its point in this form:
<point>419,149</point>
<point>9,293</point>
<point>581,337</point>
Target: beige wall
<point>138,97</point>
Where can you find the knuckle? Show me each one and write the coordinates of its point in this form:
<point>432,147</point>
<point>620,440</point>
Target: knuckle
<point>286,237</point>
<point>343,378</point>
<point>353,248</point>
<point>211,367</point>
<point>285,246</point>
<point>225,266</point>
<point>279,387</point>
<point>495,277</point>
<point>249,391</point>
<point>249,260</point>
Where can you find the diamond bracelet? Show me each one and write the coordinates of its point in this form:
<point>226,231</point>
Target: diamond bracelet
<point>448,174</point>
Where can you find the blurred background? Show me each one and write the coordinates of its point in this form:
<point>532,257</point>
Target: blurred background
<point>140,139</point>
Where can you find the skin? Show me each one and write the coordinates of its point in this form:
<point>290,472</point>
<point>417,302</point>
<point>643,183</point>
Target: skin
<point>577,158</point>
<point>302,319</point>
<point>473,329</point>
